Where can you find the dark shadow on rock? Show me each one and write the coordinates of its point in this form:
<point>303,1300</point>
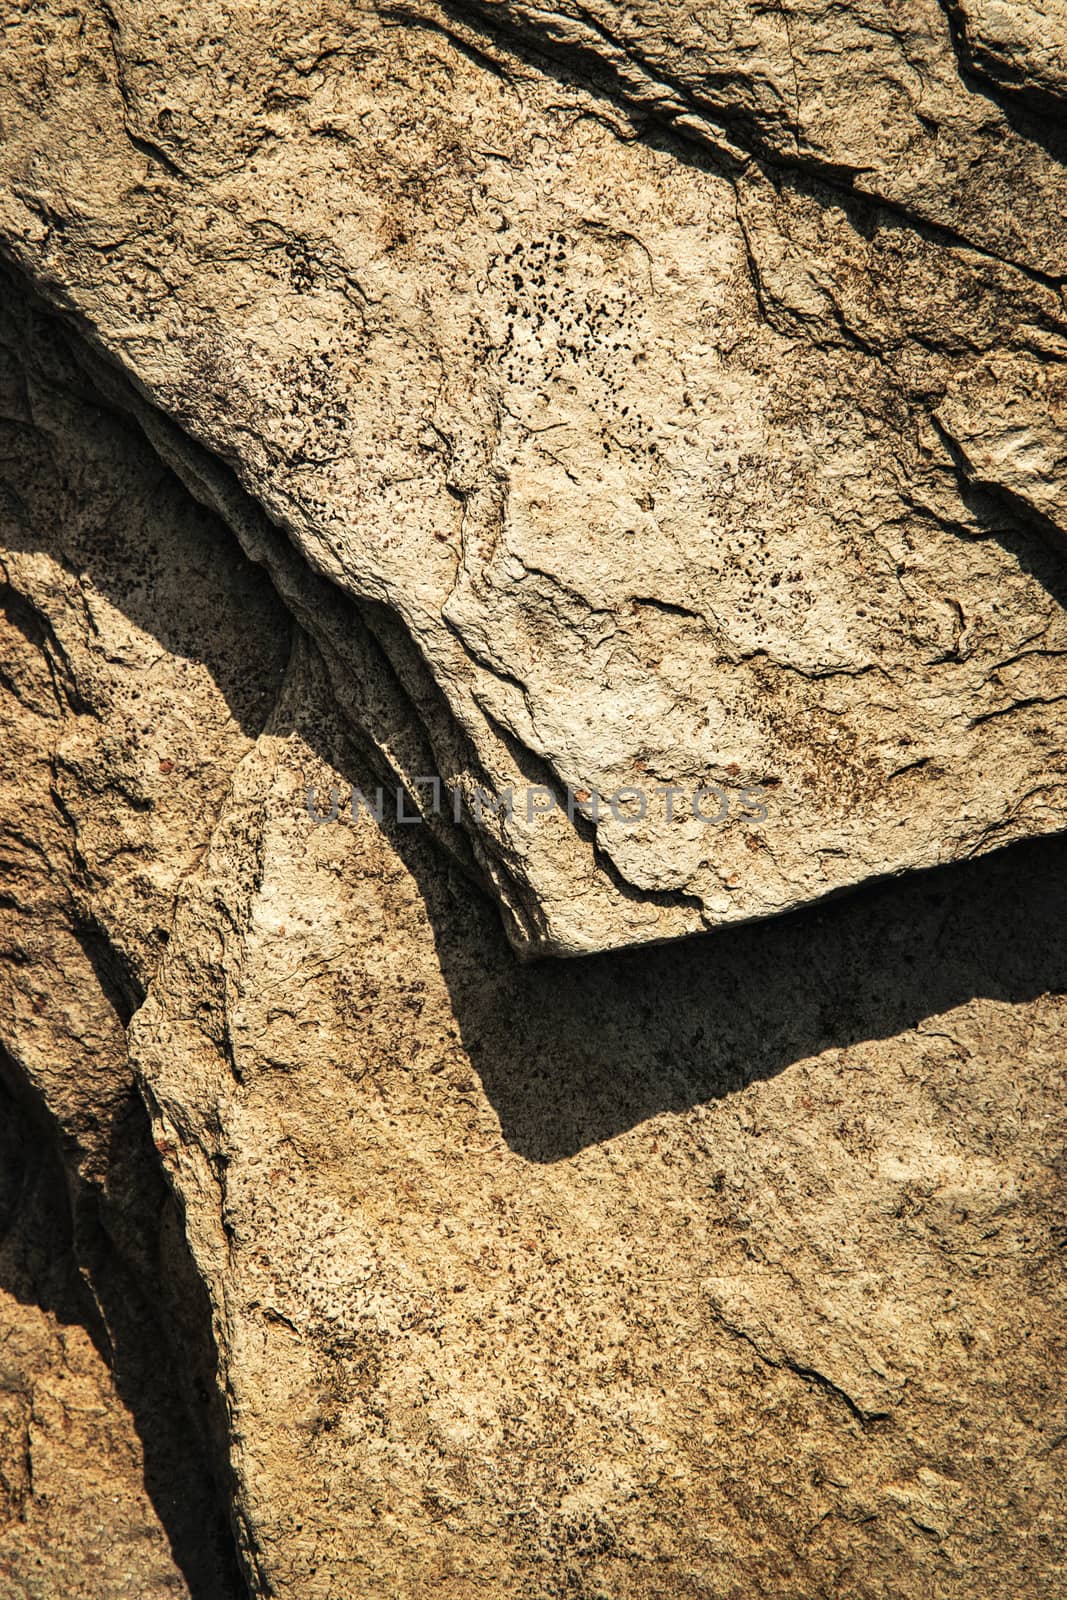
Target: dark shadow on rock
<point>58,1235</point>
<point>747,134</point>
<point>1036,113</point>
<point>126,527</point>
<point>1037,543</point>
<point>110,1254</point>
<point>37,1263</point>
<point>574,1053</point>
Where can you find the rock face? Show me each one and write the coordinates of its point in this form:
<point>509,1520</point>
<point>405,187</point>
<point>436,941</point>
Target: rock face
<point>587,399</point>
<point>688,1271</point>
<point>122,712</point>
<point>670,401</point>
<point>76,1513</point>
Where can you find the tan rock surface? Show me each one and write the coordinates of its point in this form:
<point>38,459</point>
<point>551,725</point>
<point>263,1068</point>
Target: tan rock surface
<point>672,1272</point>
<point>335,1241</point>
<point>76,1519</point>
<point>1019,46</point>
<point>627,442</point>
<point>536,1282</point>
<point>122,709</point>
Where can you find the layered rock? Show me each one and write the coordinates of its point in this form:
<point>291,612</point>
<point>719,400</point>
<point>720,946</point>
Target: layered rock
<point>638,397</point>
<point>685,1271</point>
<point>123,711</point>
<point>569,401</point>
<point>533,1282</point>
<point>76,1517</point>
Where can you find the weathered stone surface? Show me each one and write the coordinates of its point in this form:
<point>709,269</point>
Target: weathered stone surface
<point>1019,46</point>
<point>870,98</point>
<point>720,1267</point>
<point>621,391</point>
<point>588,397</point>
<point>535,1282</point>
<point>75,1517</point>
<point>122,711</point>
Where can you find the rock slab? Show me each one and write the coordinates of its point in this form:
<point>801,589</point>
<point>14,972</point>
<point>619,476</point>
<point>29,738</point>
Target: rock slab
<point>673,401</point>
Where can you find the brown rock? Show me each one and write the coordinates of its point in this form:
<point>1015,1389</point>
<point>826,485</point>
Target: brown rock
<point>590,398</point>
<point>625,449</point>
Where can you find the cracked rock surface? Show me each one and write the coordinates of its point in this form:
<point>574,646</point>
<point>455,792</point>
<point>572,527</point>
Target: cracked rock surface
<point>726,1267</point>
<point>661,398</point>
<point>593,398</point>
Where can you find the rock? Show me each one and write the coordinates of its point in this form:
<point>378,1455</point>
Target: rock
<point>519,1278</point>
<point>75,1515</point>
<point>530,1281</point>
<point>1019,49</point>
<point>995,419</point>
<point>872,100</point>
<point>596,373</point>
<point>343,1253</point>
<point>122,712</point>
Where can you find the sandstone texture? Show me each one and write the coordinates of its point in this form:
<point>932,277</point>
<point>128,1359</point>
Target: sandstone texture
<point>76,1516</point>
<point>675,396</point>
<point>702,1270</point>
<point>588,399</point>
<point>100,545</point>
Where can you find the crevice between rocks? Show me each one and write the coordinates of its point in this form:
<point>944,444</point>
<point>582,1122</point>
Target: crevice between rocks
<point>114,1259</point>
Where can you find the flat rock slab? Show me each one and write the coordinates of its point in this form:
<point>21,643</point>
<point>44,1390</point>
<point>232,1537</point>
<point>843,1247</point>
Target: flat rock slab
<point>620,378</point>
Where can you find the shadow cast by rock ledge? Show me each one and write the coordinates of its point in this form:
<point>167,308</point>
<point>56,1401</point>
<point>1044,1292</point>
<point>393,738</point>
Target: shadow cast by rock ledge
<point>574,1053</point>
